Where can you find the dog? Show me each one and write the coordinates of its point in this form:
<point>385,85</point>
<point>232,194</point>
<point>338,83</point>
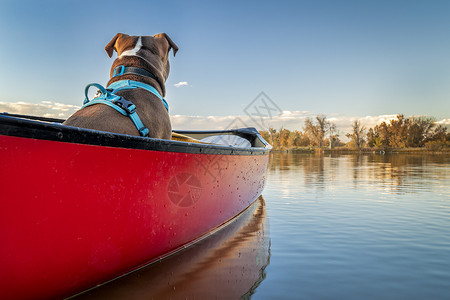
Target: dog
<point>148,59</point>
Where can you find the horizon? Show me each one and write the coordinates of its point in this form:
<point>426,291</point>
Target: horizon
<point>291,120</point>
<point>345,60</point>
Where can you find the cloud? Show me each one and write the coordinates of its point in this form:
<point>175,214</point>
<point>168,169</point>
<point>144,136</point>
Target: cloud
<point>444,122</point>
<point>44,109</point>
<point>181,83</point>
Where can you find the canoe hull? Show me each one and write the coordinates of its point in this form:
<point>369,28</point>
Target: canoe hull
<point>75,215</point>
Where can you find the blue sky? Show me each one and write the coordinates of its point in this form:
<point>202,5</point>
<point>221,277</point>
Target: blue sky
<point>352,58</point>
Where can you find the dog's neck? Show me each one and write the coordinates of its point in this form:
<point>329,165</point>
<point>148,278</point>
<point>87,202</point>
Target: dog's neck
<point>136,61</point>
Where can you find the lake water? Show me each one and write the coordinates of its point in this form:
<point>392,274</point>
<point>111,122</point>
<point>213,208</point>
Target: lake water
<point>327,227</point>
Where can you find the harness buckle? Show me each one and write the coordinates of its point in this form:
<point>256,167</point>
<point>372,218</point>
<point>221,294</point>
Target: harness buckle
<point>126,105</point>
<point>121,71</point>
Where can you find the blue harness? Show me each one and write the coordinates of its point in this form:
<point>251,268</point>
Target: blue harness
<point>127,108</point>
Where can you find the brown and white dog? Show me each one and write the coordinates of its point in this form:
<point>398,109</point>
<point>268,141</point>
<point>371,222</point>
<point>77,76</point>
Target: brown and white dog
<point>150,53</point>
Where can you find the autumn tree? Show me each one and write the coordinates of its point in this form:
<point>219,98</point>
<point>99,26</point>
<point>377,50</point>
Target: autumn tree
<point>300,139</point>
<point>382,131</point>
<point>371,137</point>
<point>316,130</point>
<point>406,132</point>
<point>296,137</point>
<point>333,136</point>
<point>357,135</point>
<point>439,134</point>
<point>285,141</point>
<point>272,134</point>
<point>398,130</point>
<point>419,131</point>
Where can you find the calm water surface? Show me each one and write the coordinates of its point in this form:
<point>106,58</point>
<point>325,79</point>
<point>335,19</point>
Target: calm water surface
<point>327,227</point>
<point>358,227</point>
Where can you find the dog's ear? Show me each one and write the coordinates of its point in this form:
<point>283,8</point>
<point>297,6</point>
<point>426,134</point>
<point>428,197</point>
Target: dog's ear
<point>111,45</point>
<point>172,45</point>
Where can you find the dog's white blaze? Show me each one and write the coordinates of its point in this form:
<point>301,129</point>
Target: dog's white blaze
<point>133,51</point>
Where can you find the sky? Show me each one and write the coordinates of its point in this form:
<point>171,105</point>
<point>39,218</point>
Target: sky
<point>348,60</point>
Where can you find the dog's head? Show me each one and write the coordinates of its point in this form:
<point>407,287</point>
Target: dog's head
<point>154,49</point>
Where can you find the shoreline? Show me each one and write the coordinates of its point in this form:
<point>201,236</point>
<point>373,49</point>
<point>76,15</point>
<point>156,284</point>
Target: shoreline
<point>445,151</point>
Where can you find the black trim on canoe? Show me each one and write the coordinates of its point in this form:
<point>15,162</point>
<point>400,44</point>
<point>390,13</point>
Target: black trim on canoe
<point>52,129</point>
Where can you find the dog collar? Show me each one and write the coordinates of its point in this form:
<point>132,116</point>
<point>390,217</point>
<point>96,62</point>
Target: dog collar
<point>122,70</point>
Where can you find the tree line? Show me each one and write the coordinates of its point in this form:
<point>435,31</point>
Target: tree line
<point>401,132</point>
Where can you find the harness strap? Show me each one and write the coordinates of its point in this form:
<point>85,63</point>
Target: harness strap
<point>131,84</point>
<point>120,104</point>
<point>143,131</point>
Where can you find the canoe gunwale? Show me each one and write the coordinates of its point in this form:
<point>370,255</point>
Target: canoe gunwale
<point>52,129</point>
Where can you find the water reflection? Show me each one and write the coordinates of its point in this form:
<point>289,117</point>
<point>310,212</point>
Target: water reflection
<point>230,264</point>
<point>395,173</point>
<point>363,226</point>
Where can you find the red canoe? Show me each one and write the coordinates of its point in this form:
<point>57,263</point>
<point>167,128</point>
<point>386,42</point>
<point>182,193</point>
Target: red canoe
<point>80,207</point>
<point>230,264</point>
